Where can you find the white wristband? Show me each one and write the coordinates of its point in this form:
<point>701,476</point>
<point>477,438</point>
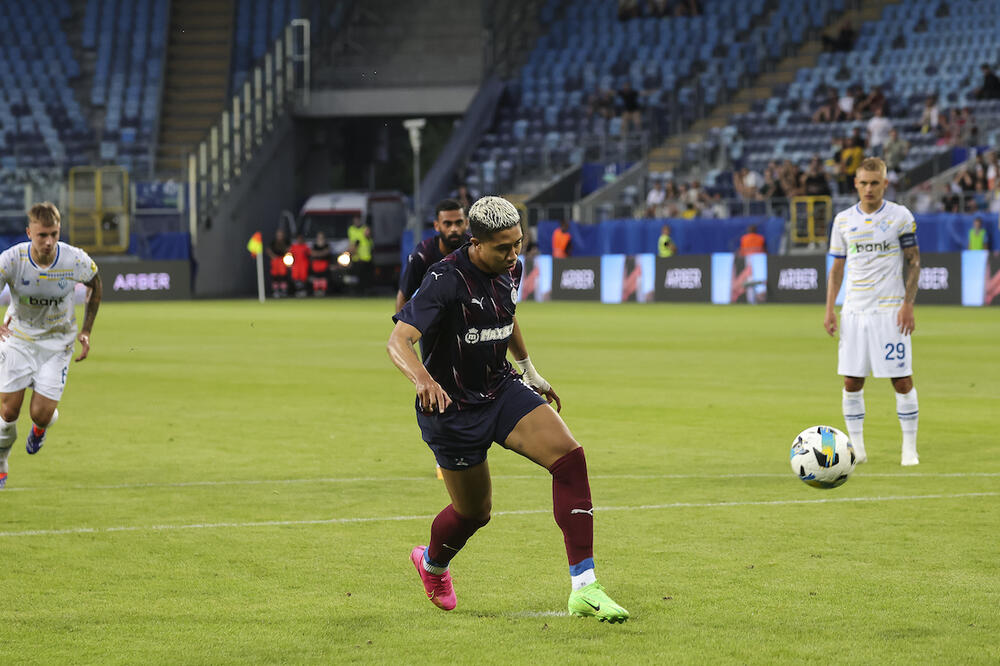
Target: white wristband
<point>530,376</point>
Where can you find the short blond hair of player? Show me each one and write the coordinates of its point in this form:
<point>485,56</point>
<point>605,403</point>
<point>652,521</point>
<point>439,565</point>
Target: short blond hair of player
<point>39,331</point>
<point>873,241</point>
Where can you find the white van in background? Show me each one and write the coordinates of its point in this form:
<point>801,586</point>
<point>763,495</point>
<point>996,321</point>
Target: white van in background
<point>384,212</point>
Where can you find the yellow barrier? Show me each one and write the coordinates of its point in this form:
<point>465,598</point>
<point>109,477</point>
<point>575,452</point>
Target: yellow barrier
<point>99,209</point>
<point>810,218</point>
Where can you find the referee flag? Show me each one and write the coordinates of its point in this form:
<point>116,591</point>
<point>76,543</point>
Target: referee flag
<point>255,244</point>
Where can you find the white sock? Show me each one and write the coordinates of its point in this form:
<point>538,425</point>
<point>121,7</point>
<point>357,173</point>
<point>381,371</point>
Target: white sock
<point>8,435</point>
<point>854,416</point>
<point>908,413</point>
<point>583,579</point>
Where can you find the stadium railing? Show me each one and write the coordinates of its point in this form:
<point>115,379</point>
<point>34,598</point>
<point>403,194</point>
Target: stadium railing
<point>273,86</point>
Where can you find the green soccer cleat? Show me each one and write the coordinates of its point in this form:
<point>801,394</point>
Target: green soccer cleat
<point>593,600</point>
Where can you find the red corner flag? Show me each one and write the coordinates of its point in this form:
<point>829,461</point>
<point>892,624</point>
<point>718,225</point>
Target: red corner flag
<point>255,244</point>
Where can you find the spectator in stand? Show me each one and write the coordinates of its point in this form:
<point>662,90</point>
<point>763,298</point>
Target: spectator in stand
<point>695,196</point>
<point>846,103</point>
<point>658,8</point>
<point>894,151</point>
<point>771,189</point>
<point>687,8</point>
<point>879,128</point>
<point>814,182</point>
<point>655,199</point>
<point>718,209</point>
<point>964,183</point>
<point>873,103</point>
<point>992,169</point>
<point>991,84</point>
<point>631,114</point>
<point>789,177</point>
<point>977,235</point>
<point>850,159</point>
<point>828,111</point>
<point>601,103</point>
<point>924,202</point>
<point>747,184</point>
<point>930,117</point>
<point>965,131</point>
<point>562,241</point>
<point>979,174</point>
<point>464,197</point>
<point>844,41</point>
<point>628,9</point>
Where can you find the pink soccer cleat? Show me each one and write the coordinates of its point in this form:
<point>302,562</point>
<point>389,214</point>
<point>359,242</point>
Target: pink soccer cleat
<point>438,588</point>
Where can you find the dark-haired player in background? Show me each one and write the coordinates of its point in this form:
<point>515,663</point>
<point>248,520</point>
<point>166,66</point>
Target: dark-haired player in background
<point>469,396</point>
<point>451,226</point>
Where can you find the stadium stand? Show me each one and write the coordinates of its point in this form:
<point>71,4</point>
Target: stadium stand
<point>910,53</point>
<point>683,66</point>
<point>258,24</point>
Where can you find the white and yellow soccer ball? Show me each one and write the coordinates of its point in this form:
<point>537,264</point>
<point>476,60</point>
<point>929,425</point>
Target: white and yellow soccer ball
<point>822,457</point>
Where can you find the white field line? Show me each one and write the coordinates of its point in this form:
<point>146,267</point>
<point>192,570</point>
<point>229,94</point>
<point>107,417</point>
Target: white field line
<point>411,479</point>
<point>526,512</point>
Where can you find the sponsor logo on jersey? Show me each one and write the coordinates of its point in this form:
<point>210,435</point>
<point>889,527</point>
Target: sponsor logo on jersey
<point>476,335</point>
<point>884,246</point>
<point>40,301</point>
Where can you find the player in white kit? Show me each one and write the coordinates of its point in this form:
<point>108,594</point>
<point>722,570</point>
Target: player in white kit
<point>875,239</point>
<point>38,333</point>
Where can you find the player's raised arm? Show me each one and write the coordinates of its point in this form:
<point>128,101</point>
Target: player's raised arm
<point>833,283</point>
<point>529,375</point>
<point>94,293</point>
<point>404,356</point>
<point>911,261</point>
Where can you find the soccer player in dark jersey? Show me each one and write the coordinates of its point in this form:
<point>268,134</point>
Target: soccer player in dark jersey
<point>469,396</point>
<point>451,226</point>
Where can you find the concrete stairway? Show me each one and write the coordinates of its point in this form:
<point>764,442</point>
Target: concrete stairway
<point>196,86</point>
<point>668,156</point>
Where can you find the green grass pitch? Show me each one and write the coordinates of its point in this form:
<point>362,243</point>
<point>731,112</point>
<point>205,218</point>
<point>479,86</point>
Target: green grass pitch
<point>238,483</point>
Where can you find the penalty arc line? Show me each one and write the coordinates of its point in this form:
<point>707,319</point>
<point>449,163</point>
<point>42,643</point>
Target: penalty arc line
<point>525,512</point>
<point>497,477</point>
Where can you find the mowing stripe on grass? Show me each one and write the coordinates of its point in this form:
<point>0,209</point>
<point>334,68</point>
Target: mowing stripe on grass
<point>526,512</point>
<point>409,479</point>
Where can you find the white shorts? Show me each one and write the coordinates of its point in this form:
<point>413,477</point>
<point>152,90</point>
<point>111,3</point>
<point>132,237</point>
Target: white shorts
<point>872,344</point>
<point>26,365</point>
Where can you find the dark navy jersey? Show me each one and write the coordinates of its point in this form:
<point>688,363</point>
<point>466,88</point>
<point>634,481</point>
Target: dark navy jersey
<point>426,254</point>
<point>465,318</point>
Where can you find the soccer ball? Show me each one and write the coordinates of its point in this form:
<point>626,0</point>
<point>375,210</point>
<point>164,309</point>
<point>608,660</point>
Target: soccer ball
<point>822,457</point>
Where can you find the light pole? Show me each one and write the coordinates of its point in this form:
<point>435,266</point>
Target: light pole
<point>414,125</point>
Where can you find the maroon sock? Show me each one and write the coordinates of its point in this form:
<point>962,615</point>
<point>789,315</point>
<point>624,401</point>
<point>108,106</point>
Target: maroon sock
<point>571,505</point>
<point>449,532</point>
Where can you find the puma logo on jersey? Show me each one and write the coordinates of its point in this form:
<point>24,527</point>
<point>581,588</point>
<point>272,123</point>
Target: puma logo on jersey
<point>436,275</point>
<point>478,301</point>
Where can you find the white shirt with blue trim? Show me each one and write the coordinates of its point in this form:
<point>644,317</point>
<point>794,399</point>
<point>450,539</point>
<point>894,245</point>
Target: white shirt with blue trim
<point>874,258</point>
<point>41,306</point>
